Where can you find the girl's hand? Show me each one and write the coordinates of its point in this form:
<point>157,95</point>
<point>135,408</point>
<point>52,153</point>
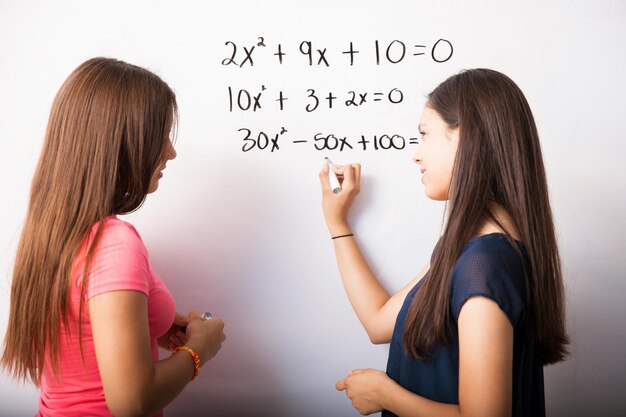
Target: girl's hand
<point>365,387</point>
<point>175,336</point>
<point>337,206</point>
<point>205,337</point>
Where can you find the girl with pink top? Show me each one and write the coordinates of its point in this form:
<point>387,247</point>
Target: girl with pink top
<point>88,312</point>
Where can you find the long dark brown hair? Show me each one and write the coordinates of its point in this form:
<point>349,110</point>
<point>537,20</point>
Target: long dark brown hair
<point>498,162</point>
<point>106,136</point>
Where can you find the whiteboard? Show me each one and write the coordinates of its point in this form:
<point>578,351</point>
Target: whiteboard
<point>236,226</point>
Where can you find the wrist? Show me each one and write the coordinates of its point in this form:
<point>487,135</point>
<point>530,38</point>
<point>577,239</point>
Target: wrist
<point>387,393</point>
<point>196,348</point>
<point>338,229</point>
<point>194,357</point>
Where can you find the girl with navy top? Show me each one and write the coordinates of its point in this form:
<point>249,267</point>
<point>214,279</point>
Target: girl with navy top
<point>471,332</point>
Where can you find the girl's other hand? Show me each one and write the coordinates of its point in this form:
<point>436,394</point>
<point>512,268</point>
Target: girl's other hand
<point>205,337</point>
<point>365,387</point>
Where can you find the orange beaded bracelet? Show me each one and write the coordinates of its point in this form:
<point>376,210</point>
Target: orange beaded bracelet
<point>196,359</point>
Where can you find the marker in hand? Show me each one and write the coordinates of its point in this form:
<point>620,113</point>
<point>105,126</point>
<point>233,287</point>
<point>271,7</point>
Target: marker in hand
<point>332,177</point>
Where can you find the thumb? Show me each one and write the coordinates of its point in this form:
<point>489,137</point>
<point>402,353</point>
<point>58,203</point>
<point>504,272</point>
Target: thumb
<point>194,314</point>
<point>342,384</point>
<point>181,319</point>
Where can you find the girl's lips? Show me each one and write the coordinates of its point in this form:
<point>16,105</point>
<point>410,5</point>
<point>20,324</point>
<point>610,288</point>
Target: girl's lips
<point>422,170</point>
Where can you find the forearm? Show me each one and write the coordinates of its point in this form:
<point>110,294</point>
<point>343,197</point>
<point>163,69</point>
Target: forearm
<point>153,388</point>
<point>133,384</point>
<point>169,378</point>
<point>364,291</point>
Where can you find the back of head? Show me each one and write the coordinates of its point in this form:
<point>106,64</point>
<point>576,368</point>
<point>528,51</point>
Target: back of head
<point>107,133</point>
<point>499,157</point>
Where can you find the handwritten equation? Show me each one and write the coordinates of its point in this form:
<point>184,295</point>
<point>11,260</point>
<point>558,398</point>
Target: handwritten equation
<point>244,100</point>
<point>265,98</point>
<point>323,141</point>
<point>393,52</point>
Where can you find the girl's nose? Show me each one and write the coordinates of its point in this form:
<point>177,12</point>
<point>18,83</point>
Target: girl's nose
<point>416,156</point>
<point>171,152</point>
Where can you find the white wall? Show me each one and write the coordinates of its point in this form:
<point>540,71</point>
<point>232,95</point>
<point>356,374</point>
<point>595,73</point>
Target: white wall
<point>241,233</point>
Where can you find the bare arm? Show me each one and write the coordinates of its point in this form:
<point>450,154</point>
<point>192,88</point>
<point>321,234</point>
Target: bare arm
<point>374,307</point>
<point>133,384</point>
<point>485,372</point>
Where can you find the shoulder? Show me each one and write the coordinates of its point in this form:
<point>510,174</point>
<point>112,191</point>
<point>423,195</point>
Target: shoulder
<point>120,260</point>
<point>118,235</point>
<point>488,254</point>
<point>490,266</point>
<point>114,227</point>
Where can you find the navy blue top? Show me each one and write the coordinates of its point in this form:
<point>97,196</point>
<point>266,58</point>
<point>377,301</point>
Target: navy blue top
<point>490,267</point>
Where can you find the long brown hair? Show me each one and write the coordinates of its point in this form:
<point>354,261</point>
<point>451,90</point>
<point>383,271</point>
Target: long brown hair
<point>106,135</point>
<point>498,162</point>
